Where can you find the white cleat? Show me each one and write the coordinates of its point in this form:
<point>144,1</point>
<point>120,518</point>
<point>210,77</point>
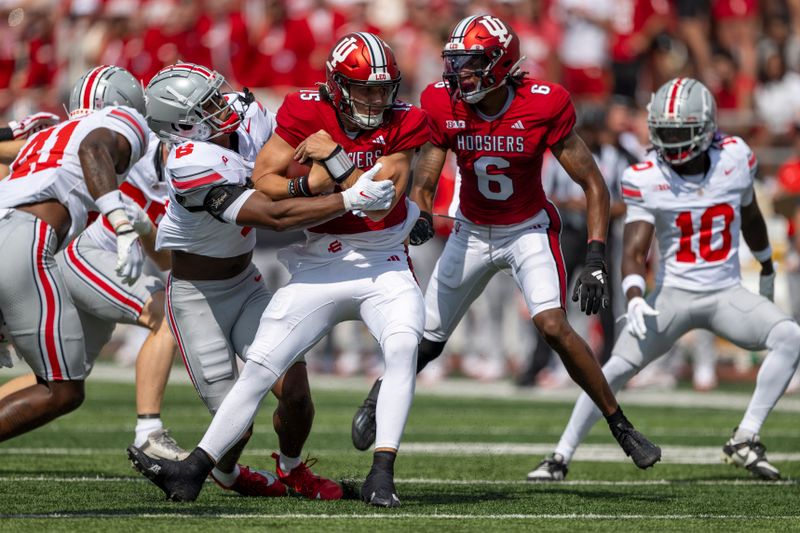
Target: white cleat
<point>552,468</point>
<point>161,445</point>
<point>750,454</point>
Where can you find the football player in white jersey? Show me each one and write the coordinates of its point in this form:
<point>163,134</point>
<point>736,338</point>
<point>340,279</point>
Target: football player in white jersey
<point>215,295</point>
<point>695,193</point>
<point>103,300</point>
<point>352,267</point>
<point>61,175</point>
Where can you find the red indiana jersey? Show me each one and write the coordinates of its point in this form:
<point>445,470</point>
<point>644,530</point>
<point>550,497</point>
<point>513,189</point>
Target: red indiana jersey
<point>500,160</point>
<point>303,114</point>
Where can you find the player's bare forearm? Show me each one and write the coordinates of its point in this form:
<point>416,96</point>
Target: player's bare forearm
<point>103,154</point>
<point>427,171</point>
<point>260,211</point>
<point>271,167</point>
<point>162,258</point>
<point>636,243</point>
<point>9,151</point>
<point>754,230</point>
<point>577,160</point>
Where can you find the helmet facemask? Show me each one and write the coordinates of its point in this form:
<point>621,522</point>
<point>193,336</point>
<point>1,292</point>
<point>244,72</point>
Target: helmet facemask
<point>366,102</point>
<point>468,74</point>
<point>212,115</point>
<point>679,142</point>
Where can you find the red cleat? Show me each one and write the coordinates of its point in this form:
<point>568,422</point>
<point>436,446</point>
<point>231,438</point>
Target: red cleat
<point>255,483</point>
<point>307,484</point>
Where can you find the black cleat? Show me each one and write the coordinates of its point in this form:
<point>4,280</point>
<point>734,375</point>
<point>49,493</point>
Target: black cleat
<point>378,490</point>
<point>181,481</point>
<point>635,445</point>
<point>364,425</point>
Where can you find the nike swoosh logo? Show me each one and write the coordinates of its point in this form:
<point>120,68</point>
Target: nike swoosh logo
<point>365,195</point>
<point>729,170</point>
<point>258,278</point>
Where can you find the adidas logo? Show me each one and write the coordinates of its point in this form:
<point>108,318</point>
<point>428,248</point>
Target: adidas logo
<point>518,125</point>
<point>379,140</point>
<point>393,258</point>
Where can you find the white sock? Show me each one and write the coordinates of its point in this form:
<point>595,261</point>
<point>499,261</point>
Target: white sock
<point>742,435</point>
<point>287,464</point>
<point>145,426</point>
<point>235,416</point>
<point>585,414</point>
<point>226,479</point>
<point>397,389</point>
<point>783,343</point>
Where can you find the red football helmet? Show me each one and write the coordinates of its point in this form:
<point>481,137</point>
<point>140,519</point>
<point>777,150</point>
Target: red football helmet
<point>362,78</point>
<point>480,46</point>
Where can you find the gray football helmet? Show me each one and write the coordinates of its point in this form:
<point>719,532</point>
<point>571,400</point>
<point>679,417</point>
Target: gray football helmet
<point>104,86</point>
<point>185,102</point>
<point>682,117</point>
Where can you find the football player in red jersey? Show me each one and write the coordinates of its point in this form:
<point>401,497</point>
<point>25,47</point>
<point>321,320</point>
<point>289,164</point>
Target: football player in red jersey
<point>352,267</point>
<point>499,123</point>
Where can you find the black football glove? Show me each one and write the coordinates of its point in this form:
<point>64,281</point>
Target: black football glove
<point>592,285</point>
<point>422,231</point>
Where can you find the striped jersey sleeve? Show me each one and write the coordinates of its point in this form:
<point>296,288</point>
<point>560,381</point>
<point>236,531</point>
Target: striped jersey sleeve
<point>130,124</point>
<point>633,195</point>
<point>194,168</point>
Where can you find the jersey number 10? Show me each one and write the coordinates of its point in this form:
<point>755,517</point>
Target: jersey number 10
<point>685,224</point>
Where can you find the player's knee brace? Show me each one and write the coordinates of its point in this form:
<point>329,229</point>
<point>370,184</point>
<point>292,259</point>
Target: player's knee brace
<point>428,351</point>
<point>784,340</point>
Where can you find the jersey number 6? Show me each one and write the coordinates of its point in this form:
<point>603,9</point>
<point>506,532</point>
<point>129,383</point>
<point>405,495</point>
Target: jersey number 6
<point>493,186</point>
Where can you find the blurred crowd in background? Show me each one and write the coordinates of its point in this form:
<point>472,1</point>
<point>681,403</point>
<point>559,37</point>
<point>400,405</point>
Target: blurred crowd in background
<point>610,54</point>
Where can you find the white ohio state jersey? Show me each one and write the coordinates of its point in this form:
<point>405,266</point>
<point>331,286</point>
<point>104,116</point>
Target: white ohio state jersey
<point>697,218</point>
<point>146,186</point>
<point>193,168</point>
<point>48,168</point>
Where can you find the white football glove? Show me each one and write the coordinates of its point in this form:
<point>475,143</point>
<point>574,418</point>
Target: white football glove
<point>766,286</point>
<point>130,257</point>
<point>139,219</point>
<point>368,195</point>
<point>638,308</point>
<point>33,123</point>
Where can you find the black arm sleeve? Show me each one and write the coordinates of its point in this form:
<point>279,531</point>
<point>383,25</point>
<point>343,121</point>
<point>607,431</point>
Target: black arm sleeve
<point>6,134</point>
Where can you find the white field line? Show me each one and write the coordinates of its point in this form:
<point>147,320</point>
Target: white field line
<point>503,390</point>
<point>393,516</point>
<point>426,481</point>
<point>604,453</point>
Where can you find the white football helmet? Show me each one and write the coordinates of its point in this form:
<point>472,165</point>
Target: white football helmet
<point>682,117</point>
<point>185,101</point>
<point>104,86</point>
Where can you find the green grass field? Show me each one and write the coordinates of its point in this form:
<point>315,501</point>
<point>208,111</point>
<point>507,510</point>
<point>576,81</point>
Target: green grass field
<point>463,466</point>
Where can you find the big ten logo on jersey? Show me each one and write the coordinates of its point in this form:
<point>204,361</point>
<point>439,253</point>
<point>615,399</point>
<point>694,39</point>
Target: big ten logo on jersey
<point>341,52</point>
<point>496,28</point>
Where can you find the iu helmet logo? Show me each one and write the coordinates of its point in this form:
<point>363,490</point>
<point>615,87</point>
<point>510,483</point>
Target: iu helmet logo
<point>496,28</point>
<point>341,51</point>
